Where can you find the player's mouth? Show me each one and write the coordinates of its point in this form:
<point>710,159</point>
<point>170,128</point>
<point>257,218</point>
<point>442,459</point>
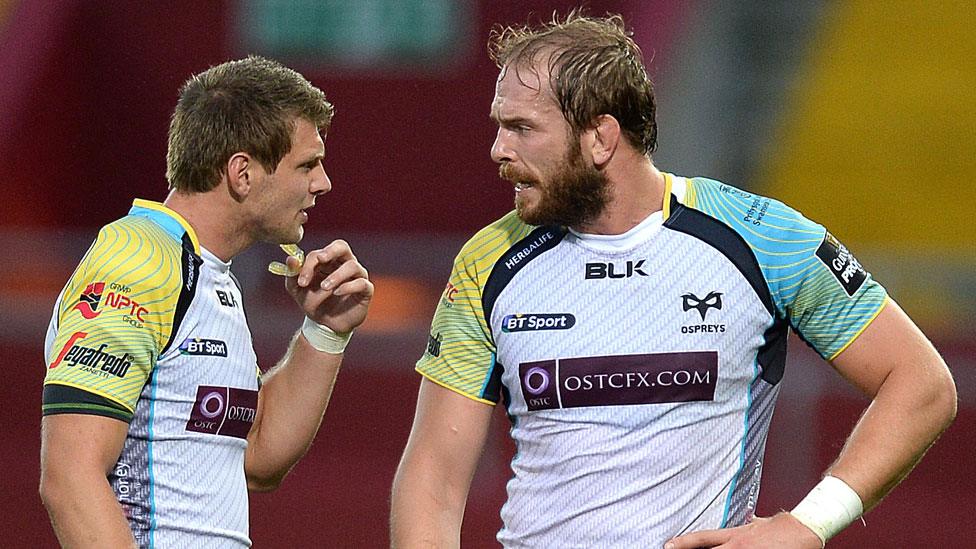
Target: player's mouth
<point>518,178</point>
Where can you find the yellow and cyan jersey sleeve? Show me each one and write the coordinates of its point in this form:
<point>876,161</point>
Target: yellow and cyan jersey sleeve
<point>814,281</point>
<point>460,351</point>
<point>114,317</point>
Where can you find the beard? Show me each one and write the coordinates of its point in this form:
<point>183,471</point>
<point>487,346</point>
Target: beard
<point>573,196</point>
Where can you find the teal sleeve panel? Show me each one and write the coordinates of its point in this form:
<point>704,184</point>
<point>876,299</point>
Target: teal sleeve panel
<point>814,280</point>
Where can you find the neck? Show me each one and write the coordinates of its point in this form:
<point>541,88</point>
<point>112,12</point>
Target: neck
<point>637,191</point>
<point>218,230</point>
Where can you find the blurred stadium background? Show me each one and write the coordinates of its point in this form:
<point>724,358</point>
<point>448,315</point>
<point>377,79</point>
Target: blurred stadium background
<point>861,114</point>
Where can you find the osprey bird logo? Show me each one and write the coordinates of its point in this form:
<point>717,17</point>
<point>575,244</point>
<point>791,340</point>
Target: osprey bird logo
<point>711,301</point>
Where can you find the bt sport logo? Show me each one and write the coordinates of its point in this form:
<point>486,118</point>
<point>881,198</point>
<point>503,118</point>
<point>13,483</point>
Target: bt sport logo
<point>536,322</point>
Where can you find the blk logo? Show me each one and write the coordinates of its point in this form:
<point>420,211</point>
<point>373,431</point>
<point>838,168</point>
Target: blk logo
<point>609,270</point>
<point>226,299</point>
<point>690,301</point>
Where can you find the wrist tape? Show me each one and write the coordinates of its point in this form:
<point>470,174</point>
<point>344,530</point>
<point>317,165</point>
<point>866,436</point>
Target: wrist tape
<point>829,508</point>
<point>322,338</point>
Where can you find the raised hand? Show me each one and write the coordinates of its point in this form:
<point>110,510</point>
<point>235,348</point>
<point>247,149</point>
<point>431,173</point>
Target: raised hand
<point>331,287</point>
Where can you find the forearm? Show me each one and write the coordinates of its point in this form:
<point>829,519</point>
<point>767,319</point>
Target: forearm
<point>910,410</point>
<point>85,513</point>
<point>293,399</point>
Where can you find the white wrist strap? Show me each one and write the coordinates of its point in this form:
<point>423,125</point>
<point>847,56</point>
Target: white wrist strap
<point>829,508</point>
<point>323,338</point>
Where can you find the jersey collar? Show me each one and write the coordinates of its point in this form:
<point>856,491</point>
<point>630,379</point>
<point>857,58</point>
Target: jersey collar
<point>172,222</point>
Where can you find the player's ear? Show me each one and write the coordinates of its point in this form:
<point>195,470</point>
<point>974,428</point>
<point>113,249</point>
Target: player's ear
<point>238,174</point>
<point>602,139</point>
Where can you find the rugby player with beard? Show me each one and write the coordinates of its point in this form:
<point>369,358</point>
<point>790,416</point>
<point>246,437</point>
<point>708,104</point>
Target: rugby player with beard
<point>631,429</point>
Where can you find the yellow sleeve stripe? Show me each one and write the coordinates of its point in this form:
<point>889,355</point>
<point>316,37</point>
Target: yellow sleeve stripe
<point>488,402</point>
<point>92,390</point>
<point>859,332</point>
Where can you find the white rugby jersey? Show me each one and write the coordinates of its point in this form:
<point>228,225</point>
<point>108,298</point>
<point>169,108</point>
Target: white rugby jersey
<point>640,371</point>
<point>150,329</point>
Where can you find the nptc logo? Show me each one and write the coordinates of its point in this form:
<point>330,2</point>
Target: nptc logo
<point>88,301</point>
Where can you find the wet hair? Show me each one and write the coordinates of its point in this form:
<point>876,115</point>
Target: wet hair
<point>594,66</point>
<point>247,105</point>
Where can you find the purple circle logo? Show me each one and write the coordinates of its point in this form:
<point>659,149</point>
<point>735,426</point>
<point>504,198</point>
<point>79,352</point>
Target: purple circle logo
<point>536,380</point>
<point>212,405</point>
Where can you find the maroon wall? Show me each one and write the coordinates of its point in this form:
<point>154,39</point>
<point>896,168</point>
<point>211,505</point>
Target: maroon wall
<point>406,153</point>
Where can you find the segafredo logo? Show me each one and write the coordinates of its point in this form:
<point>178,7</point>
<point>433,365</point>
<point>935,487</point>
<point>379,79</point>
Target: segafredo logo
<point>94,360</point>
<point>535,322</point>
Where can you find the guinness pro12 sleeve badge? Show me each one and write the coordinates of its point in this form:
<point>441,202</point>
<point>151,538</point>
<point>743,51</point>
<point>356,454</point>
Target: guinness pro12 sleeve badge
<point>842,264</point>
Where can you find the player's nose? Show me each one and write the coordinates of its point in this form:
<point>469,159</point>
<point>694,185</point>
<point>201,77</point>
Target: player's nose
<point>321,183</point>
<point>501,150</point>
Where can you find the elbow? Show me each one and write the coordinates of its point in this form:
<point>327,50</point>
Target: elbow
<point>50,490</point>
<point>263,482</point>
<point>45,491</point>
<point>262,474</point>
<point>943,399</point>
<point>950,400</point>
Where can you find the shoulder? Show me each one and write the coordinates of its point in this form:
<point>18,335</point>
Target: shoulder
<point>753,216</point>
<point>482,251</point>
<point>136,250</point>
<point>140,236</point>
<point>493,240</point>
<point>773,231</point>
<point>132,276</point>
